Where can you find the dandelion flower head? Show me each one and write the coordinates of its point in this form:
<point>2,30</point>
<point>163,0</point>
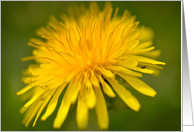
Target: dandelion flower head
<point>81,55</point>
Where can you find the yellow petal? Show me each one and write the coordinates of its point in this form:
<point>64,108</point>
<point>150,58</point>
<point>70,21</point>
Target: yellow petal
<point>153,54</point>
<point>62,112</point>
<point>61,115</point>
<point>27,95</point>
<point>126,48</point>
<point>90,97</point>
<point>156,71</point>
<point>139,51</point>
<point>23,109</point>
<point>139,85</point>
<point>128,63</point>
<point>101,110</point>
<point>106,72</point>
<point>94,79</point>
<point>142,70</point>
<point>146,60</point>
<point>106,88</point>
<point>35,96</point>
<point>65,104</point>
<point>144,44</point>
<point>31,112</point>
<point>24,89</point>
<point>65,77</point>
<point>147,34</point>
<point>125,95</point>
<point>28,58</point>
<point>49,93</point>
<point>77,87</point>
<point>124,70</point>
<point>57,81</point>
<point>53,103</point>
<point>82,113</point>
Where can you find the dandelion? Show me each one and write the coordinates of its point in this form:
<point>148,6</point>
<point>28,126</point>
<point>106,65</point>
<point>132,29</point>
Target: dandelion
<point>81,55</point>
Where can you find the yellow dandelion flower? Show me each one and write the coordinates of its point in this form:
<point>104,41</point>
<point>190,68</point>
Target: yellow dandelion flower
<point>81,55</point>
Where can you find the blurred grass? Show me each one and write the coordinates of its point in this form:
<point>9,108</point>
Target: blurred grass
<point>20,20</point>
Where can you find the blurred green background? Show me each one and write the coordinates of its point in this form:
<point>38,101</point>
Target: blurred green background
<point>20,20</point>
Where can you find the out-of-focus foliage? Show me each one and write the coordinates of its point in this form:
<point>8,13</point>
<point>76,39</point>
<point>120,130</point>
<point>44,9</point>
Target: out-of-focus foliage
<point>19,22</point>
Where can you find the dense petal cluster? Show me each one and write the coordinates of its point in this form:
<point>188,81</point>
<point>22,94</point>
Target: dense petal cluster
<point>82,54</point>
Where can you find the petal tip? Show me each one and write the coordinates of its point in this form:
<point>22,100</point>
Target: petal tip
<point>43,118</point>
<point>56,126</point>
<point>154,94</point>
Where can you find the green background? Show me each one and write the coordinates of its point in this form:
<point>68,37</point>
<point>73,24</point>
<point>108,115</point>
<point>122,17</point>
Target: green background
<point>20,20</point>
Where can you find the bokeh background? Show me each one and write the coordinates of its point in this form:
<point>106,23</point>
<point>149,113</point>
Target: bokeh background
<point>19,22</point>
